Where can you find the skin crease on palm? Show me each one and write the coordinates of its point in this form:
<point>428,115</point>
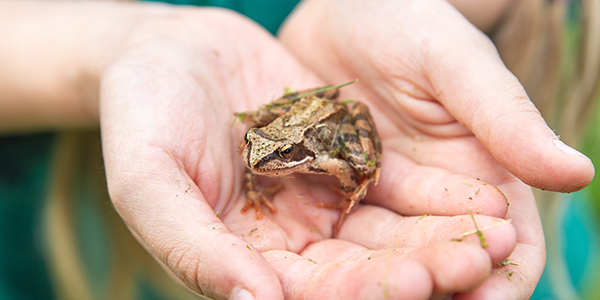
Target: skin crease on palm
<point>170,80</point>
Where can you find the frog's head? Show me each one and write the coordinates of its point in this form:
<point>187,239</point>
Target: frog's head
<point>268,156</point>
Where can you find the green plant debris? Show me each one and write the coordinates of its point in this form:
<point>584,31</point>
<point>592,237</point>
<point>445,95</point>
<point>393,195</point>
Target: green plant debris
<point>347,101</point>
<point>217,214</point>
<point>312,261</point>
<point>482,240</point>
<point>510,274</point>
<point>238,116</point>
<point>248,247</point>
<point>288,91</point>
<point>468,184</point>
<point>507,262</point>
<point>322,90</point>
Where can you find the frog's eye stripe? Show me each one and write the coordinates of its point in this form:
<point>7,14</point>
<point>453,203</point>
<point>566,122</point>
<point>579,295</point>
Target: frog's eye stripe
<point>286,151</point>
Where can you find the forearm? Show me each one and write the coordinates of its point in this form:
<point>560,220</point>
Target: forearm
<point>485,15</point>
<point>51,58</point>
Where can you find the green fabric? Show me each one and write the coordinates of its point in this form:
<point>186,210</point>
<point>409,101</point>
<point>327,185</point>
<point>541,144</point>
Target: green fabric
<point>269,13</point>
<point>24,162</point>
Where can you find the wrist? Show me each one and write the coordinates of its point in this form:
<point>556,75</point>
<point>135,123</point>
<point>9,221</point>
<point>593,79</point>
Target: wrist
<point>53,56</point>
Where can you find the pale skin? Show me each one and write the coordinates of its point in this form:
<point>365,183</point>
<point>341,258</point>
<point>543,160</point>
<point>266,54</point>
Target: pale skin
<point>163,82</point>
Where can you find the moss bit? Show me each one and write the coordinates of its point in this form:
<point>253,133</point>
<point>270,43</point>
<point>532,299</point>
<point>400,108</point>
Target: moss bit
<point>288,91</point>
<point>507,262</point>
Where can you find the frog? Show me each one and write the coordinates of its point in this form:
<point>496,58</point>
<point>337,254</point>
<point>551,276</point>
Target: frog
<point>310,131</point>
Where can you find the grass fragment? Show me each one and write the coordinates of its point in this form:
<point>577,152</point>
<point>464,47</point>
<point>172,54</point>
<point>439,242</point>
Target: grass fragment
<point>482,240</point>
<point>507,262</point>
<point>322,90</point>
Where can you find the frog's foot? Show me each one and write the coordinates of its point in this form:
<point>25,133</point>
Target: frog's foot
<point>258,196</point>
<point>345,206</point>
<point>361,191</point>
<point>349,200</point>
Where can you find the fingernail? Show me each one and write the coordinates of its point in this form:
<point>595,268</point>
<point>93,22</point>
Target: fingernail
<point>243,294</point>
<point>566,149</point>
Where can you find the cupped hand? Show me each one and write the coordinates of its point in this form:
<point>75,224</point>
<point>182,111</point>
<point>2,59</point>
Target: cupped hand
<point>175,177</point>
<point>445,105</point>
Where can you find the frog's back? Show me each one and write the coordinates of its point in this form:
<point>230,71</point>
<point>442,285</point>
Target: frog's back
<point>304,114</point>
<point>308,112</point>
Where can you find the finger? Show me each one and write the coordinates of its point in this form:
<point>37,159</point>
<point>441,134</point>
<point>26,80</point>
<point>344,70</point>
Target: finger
<point>411,189</point>
<point>450,267</point>
<point>441,56</point>
<point>377,278</point>
<point>517,278</point>
<point>499,235</point>
<point>475,86</point>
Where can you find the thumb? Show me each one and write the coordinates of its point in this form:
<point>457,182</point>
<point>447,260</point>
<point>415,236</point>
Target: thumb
<point>475,86</point>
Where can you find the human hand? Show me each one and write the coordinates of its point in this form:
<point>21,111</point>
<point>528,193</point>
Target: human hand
<point>167,103</point>
<point>442,100</point>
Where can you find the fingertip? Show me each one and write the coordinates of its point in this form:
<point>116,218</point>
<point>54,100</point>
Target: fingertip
<point>223,266</point>
<point>252,277</point>
<point>551,168</point>
<point>580,165</point>
<point>526,147</point>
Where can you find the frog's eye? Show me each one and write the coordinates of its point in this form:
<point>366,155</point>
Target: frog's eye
<point>246,138</point>
<point>286,151</point>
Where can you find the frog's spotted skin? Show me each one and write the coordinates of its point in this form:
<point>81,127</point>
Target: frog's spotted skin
<point>311,133</point>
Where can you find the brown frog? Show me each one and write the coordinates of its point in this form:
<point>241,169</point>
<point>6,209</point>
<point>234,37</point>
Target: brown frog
<point>311,132</point>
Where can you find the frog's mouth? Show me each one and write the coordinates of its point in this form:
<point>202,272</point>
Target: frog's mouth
<point>279,167</point>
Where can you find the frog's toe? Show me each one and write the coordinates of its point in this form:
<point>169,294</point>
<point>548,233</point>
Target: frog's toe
<point>255,198</point>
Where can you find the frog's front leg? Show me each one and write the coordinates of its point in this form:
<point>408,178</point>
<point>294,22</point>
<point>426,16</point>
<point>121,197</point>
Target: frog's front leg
<point>361,146</point>
<point>255,195</point>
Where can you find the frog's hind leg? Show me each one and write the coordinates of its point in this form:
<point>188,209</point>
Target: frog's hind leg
<point>362,147</point>
<point>344,206</point>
